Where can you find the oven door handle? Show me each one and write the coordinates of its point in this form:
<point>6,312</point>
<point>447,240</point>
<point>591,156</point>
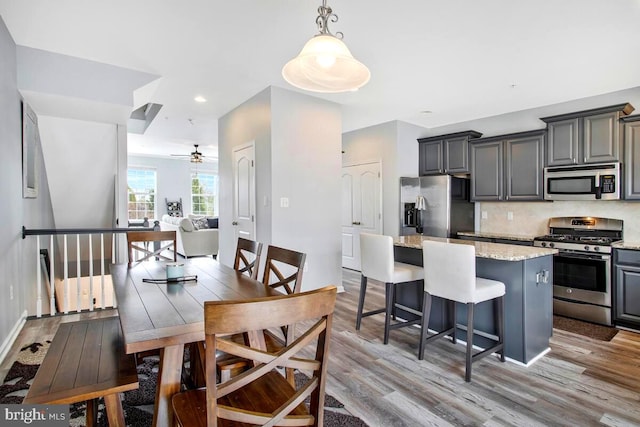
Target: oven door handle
<point>597,257</point>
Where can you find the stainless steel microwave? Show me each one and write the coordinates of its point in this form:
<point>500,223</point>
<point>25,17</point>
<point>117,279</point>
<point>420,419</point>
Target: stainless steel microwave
<point>598,181</point>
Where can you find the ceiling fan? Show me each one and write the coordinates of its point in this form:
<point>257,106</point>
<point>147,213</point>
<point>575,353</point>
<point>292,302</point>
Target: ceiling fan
<point>194,157</point>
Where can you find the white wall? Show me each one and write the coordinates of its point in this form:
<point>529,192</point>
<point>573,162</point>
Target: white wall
<point>297,141</point>
<point>395,145</point>
<point>305,167</point>
<point>173,179</point>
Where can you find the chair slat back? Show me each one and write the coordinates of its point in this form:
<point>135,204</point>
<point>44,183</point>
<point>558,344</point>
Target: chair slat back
<point>277,261</point>
<point>248,254</point>
<point>136,238</point>
<point>314,308</point>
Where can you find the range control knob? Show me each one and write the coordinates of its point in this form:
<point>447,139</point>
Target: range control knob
<point>597,248</point>
<point>543,244</point>
<point>551,245</point>
<point>586,248</point>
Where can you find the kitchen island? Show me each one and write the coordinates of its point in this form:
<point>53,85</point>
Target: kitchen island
<point>527,273</point>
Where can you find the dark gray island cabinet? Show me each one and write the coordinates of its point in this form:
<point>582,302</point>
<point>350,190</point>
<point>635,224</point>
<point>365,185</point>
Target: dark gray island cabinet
<point>527,273</point>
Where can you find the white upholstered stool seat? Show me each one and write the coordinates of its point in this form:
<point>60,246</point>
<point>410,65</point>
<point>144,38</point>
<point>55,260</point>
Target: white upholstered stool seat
<point>377,263</point>
<point>450,273</point>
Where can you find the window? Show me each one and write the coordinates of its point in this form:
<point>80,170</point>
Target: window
<point>204,194</point>
<point>141,193</point>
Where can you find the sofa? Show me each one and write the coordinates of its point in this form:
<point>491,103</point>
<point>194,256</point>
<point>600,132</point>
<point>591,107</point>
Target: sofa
<point>193,237</point>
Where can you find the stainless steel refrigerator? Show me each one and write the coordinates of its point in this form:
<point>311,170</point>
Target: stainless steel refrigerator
<point>435,205</point>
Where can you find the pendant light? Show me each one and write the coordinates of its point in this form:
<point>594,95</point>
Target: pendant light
<point>325,64</point>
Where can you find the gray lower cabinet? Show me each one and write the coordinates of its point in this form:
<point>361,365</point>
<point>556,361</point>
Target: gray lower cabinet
<point>632,157</point>
<point>591,136</point>
<point>508,167</point>
<point>627,288</point>
<point>445,154</point>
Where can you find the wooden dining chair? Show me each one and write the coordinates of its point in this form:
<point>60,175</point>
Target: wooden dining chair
<point>139,241</point>
<point>247,261</point>
<point>283,270</point>
<point>261,394</point>
<point>248,257</point>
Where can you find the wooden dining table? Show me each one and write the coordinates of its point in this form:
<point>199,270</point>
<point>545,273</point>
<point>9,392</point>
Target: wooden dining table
<point>167,316</point>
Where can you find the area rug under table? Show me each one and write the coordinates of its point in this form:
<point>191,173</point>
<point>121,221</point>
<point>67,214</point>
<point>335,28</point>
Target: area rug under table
<point>137,404</point>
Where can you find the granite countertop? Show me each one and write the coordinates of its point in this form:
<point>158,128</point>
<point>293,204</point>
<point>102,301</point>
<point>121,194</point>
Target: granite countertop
<point>626,245</point>
<point>519,237</point>
<point>497,251</point>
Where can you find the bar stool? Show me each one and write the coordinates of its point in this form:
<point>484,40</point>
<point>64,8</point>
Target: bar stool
<point>377,262</point>
<point>450,273</point>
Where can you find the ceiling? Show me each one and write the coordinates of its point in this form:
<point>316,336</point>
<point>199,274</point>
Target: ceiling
<point>432,63</point>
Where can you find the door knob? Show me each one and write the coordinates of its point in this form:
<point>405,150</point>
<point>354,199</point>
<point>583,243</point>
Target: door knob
<point>234,223</point>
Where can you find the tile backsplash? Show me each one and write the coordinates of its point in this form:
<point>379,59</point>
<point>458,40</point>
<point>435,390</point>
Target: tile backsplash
<point>531,218</point>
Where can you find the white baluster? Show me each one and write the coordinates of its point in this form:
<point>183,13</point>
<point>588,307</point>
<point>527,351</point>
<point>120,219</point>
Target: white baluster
<point>65,308</point>
<point>38,279</point>
<point>102,267</point>
<point>90,274</point>
<point>52,279</point>
<point>78,287</point>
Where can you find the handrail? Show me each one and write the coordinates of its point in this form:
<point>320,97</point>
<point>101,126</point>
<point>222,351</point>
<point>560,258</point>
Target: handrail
<point>55,231</point>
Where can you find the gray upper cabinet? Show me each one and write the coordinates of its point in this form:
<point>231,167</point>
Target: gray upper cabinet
<point>445,154</point>
<point>524,166</point>
<point>487,171</point>
<point>431,158</point>
<point>562,142</point>
<point>508,167</point>
<point>590,136</point>
<point>632,157</point>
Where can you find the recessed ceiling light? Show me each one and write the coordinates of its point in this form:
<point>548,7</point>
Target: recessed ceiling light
<point>200,98</point>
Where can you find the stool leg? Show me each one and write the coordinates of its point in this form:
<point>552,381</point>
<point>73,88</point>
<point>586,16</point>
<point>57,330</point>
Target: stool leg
<point>363,291</point>
<point>467,374</point>
<point>452,319</point>
<point>424,324</point>
<point>393,303</point>
<point>501,326</point>
<point>389,298</point>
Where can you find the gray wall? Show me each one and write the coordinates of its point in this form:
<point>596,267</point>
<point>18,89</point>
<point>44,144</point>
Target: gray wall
<point>17,263</point>
<point>250,121</point>
<point>297,143</point>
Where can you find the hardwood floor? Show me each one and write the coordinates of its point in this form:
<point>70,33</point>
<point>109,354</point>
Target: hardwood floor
<point>580,382</point>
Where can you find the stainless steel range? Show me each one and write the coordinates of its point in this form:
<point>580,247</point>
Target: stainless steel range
<point>582,268</point>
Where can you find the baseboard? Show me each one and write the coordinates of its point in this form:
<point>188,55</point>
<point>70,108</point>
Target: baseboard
<point>340,289</point>
<point>11,338</point>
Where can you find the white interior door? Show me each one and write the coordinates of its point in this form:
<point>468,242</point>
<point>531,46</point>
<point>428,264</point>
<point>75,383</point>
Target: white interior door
<point>361,209</point>
<point>244,192</point>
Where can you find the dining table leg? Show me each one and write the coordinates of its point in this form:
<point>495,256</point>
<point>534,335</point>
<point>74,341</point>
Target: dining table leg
<point>169,378</point>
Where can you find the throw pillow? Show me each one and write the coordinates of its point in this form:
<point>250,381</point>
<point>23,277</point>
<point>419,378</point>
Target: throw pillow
<point>186,224</point>
<point>200,223</point>
<point>213,222</point>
